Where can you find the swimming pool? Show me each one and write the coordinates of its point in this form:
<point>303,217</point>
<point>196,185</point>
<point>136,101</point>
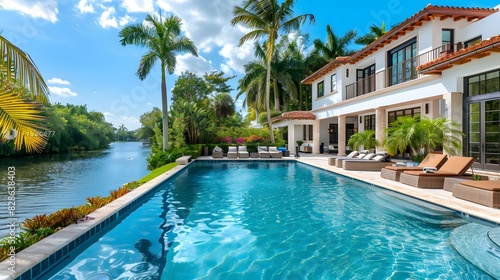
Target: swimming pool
<point>274,220</point>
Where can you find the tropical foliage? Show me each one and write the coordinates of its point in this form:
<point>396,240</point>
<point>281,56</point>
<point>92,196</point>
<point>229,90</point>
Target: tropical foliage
<point>422,136</point>
<point>22,93</point>
<point>375,33</point>
<point>365,139</point>
<point>334,46</point>
<point>164,40</point>
<point>267,19</point>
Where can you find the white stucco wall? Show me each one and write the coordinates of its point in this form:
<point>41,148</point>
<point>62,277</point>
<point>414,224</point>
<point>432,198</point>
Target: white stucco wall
<point>487,27</point>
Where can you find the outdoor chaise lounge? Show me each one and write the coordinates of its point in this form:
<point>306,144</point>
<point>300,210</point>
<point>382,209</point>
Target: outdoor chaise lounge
<point>431,160</point>
<point>374,164</point>
<point>332,160</point>
<point>455,166</point>
<point>362,155</point>
<point>217,152</point>
<point>486,193</point>
<point>242,152</point>
<point>274,152</point>
<point>263,152</point>
<point>232,152</point>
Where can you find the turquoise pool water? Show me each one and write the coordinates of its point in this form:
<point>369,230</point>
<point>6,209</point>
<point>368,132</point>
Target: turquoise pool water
<point>275,220</point>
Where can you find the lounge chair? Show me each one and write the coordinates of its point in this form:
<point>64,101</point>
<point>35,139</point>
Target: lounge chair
<point>217,152</point>
<point>232,152</point>
<point>431,160</point>
<point>375,163</point>
<point>263,152</point>
<point>332,160</point>
<point>362,155</point>
<point>455,166</point>
<point>242,152</point>
<point>274,152</point>
<point>486,193</point>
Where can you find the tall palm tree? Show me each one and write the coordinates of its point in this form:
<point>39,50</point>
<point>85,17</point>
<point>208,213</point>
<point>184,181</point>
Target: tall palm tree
<point>267,18</point>
<point>375,33</point>
<point>164,40</point>
<point>22,91</point>
<point>334,46</point>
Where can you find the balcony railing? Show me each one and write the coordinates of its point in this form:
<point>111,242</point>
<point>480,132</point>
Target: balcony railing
<point>438,52</point>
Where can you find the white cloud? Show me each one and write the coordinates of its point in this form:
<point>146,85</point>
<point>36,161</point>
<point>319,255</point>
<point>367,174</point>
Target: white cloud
<point>208,24</point>
<point>108,19</point>
<point>62,91</point>
<point>44,9</point>
<point>58,81</point>
<point>84,6</point>
<point>125,20</point>
<point>187,62</point>
<point>137,6</point>
<point>131,123</point>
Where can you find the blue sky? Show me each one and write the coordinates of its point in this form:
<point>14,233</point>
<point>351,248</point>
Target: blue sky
<point>76,47</point>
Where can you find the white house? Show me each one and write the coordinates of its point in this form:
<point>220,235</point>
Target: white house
<point>442,61</point>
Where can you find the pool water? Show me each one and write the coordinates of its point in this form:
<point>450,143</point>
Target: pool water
<point>275,220</point>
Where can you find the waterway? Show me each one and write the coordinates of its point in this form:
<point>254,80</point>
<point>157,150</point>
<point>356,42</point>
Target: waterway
<point>45,184</point>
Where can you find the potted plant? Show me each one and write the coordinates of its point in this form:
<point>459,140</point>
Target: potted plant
<point>299,143</point>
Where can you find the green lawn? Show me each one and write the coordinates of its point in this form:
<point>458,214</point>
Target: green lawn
<point>157,172</point>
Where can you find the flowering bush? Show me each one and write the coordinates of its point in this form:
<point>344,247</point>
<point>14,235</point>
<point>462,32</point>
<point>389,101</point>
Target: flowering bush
<point>254,138</point>
<point>227,139</point>
<point>240,140</point>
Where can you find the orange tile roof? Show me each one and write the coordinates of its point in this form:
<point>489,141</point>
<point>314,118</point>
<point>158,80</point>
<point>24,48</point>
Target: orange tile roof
<point>426,14</point>
<point>481,49</point>
<point>295,115</point>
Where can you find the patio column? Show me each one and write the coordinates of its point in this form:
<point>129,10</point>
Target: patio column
<point>342,135</point>
<point>291,139</point>
<point>380,125</point>
<point>453,109</point>
<point>316,137</point>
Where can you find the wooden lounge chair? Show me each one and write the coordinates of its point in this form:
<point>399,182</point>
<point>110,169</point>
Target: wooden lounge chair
<point>486,193</point>
<point>217,152</point>
<point>362,155</point>
<point>263,152</point>
<point>274,153</point>
<point>232,152</point>
<point>431,160</point>
<point>372,164</point>
<point>332,160</point>
<point>242,152</point>
<point>455,166</point>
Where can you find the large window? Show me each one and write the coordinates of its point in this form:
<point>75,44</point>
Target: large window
<point>307,132</point>
<point>447,40</point>
<point>321,89</point>
<point>365,80</point>
<point>402,62</point>
<point>482,83</point>
<point>334,82</point>
<point>472,41</point>
<point>369,122</point>
<point>393,115</point>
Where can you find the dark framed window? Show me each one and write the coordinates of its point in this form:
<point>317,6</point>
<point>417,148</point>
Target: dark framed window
<point>307,132</point>
<point>447,40</point>
<point>402,62</point>
<point>473,41</point>
<point>334,82</point>
<point>365,80</point>
<point>310,133</point>
<point>333,133</point>
<point>393,115</point>
<point>369,122</point>
<point>483,83</point>
<point>321,89</point>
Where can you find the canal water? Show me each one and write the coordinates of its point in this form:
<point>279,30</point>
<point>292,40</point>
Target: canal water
<point>45,184</point>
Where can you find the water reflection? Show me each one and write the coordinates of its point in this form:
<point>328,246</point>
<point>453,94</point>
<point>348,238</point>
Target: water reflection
<point>48,183</point>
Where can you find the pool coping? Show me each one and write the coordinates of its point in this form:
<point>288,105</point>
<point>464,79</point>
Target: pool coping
<point>40,258</point>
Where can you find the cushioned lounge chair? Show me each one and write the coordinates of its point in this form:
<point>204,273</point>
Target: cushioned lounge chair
<point>263,152</point>
<point>217,152</point>
<point>431,160</point>
<point>332,160</point>
<point>486,193</point>
<point>455,166</point>
<point>362,155</point>
<point>232,152</point>
<point>373,164</point>
<point>274,152</point>
<point>242,152</point>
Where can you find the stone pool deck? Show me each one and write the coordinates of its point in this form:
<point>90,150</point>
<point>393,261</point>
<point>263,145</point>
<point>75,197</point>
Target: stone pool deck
<point>47,253</point>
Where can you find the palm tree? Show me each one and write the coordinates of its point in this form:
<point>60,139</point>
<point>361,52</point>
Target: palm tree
<point>365,138</point>
<point>122,130</point>
<point>375,33</point>
<point>22,91</point>
<point>164,40</point>
<point>335,46</point>
<point>266,18</point>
